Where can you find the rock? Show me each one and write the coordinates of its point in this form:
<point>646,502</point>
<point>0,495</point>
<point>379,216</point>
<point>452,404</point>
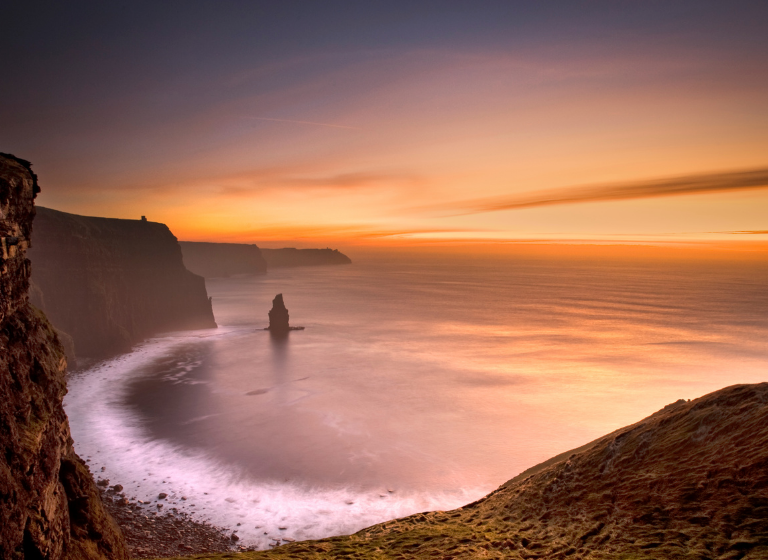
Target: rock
<point>50,506</point>
<point>117,488</point>
<point>278,315</point>
<point>234,537</point>
<point>103,482</point>
<point>162,496</point>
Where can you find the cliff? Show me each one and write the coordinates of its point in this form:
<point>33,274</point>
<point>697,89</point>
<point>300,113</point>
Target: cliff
<point>689,482</point>
<point>49,506</point>
<point>110,283</point>
<point>284,258</point>
<point>214,260</point>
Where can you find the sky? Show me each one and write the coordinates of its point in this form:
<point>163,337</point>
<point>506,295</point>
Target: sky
<point>386,123</point>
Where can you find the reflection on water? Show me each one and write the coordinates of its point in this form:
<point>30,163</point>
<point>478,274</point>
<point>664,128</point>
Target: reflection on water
<point>437,380</point>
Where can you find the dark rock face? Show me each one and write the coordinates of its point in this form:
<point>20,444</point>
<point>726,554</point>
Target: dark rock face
<point>216,260</point>
<point>285,258</point>
<point>278,315</point>
<point>49,505</point>
<point>110,283</point>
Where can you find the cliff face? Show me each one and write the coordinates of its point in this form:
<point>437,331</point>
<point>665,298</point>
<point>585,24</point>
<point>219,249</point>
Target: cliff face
<point>285,258</point>
<point>214,260</point>
<point>689,482</point>
<point>49,505</point>
<point>278,316</point>
<point>111,283</point>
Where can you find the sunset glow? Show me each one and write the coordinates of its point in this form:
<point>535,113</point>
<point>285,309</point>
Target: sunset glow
<point>385,129</point>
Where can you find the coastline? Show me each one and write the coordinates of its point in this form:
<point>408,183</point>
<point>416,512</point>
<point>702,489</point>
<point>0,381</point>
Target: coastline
<point>155,534</point>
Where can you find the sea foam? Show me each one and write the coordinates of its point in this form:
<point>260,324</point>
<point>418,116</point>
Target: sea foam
<point>110,436</point>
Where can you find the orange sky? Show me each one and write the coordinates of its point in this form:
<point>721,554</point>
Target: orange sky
<point>571,132</point>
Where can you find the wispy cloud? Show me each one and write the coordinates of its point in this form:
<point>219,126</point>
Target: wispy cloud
<point>348,233</point>
<point>748,232</point>
<point>689,184</point>
<point>258,182</point>
<point>348,180</point>
<point>291,121</point>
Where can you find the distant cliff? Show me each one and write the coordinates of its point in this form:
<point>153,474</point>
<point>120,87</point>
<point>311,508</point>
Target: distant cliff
<point>688,482</point>
<point>49,506</point>
<point>284,258</point>
<point>110,283</point>
<point>214,260</point>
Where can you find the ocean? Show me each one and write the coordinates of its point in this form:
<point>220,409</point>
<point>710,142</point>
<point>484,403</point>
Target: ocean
<point>421,382</point>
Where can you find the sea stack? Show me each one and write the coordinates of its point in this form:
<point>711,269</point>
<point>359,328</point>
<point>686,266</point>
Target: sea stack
<point>278,315</point>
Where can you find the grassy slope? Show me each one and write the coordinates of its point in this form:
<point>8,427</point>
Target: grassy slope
<point>689,482</point>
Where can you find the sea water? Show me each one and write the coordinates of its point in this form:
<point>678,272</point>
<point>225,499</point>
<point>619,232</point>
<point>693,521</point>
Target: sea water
<point>418,384</point>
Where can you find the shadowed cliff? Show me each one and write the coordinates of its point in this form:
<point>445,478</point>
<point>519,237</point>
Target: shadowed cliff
<point>289,257</point>
<point>216,260</point>
<point>688,482</point>
<point>49,506</point>
<point>110,283</point>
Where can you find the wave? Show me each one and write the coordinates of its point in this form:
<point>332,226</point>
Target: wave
<point>111,438</point>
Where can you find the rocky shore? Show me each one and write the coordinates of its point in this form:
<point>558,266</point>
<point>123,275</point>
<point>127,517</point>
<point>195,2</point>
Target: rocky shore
<point>153,533</point>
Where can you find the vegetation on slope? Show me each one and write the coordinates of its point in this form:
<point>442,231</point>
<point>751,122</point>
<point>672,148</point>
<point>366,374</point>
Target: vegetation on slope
<point>689,482</point>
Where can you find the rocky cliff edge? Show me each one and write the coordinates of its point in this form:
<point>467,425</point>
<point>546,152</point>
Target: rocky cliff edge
<point>49,506</point>
<point>110,283</point>
<point>689,482</point>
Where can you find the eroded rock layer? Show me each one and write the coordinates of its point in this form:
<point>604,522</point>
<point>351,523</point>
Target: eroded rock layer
<point>111,283</point>
<point>278,315</point>
<point>49,505</point>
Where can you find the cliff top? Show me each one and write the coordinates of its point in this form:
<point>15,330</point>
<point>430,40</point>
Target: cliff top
<point>690,481</point>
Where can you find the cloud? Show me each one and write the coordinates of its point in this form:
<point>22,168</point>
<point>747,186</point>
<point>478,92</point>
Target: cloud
<point>316,233</point>
<point>689,184</point>
<point>258,182</point>
<point>312,123</point>
<point>748,232</point>
<point>347,180</point>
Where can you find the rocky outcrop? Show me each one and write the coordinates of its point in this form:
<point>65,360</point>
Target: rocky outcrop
<point>216,260</point>
<point>289,257</point>
<point>110,283</point>
<point>690,481</point>
<point>49,505</point>
<point>278,316</point>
